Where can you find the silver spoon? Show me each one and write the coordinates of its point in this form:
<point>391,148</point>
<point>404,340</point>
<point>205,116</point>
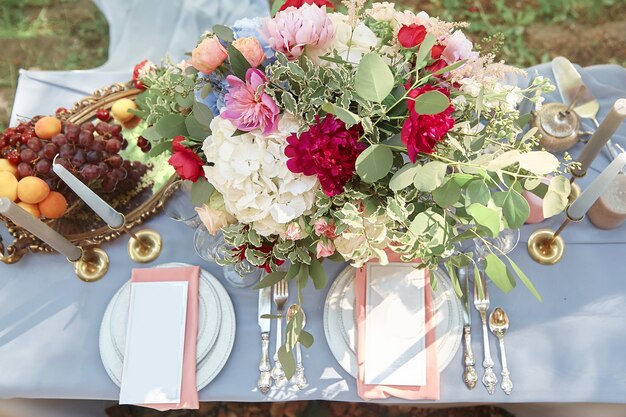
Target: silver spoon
<point>299,378</point>
<point>499,324</point>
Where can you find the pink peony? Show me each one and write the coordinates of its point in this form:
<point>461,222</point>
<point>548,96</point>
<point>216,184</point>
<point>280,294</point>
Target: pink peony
<point>248,106</point>
<point>208,55</point>
<point>458,48</point>
<point>325,249</point>
<point>251,49</point>
<point>421,132</point>
<point>327,150</point>
<point>291,30</point>
<point>324,228</point>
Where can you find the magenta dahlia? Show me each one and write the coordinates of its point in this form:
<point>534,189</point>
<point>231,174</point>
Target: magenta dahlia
<point>327,150</point>
<point>421,132</point>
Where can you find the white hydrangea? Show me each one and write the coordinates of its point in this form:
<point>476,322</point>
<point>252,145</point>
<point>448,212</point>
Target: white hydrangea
<point>250,171</point>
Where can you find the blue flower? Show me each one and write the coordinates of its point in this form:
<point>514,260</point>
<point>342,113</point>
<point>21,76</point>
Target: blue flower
<point>215,100</point>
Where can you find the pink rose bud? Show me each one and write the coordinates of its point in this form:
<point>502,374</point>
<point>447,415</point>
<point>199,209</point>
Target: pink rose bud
<point>251,49</point>
<point>208,55</point>
<point>320,226</point>
<point>325,249</point>
<point>293,232</point>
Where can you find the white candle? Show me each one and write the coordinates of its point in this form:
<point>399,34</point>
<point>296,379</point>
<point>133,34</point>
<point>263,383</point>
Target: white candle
<point>112,217</point>
<point>22,218</point>
<point>605,131</point>
<point>583,203</point>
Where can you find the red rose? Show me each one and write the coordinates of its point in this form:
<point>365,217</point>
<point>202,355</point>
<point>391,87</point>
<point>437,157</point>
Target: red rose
<point>187,164</point>
<point>421,132</point>
<point>436,52</point>
<point>299,3</point>
<point>436,66</point>
<point>411,36</point>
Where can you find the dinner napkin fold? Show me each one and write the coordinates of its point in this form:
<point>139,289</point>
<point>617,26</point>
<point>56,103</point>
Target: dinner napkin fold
<point>188,392</point>
<point>430,391</point>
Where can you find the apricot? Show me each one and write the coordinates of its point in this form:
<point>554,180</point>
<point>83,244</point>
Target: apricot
<point>8,185</point>
<point>121,109</point>
<point>5,165</point>
<point>47,126</point>
<point>31,208</point>
<point>53,206</point>
<point>32,190</point>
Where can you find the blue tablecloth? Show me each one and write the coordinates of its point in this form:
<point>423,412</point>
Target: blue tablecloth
<point>568,349</point>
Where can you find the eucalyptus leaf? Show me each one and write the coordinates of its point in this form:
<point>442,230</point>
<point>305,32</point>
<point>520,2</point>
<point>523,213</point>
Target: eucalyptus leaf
<point>171,125</point>
<point>477,192</point>
<point>159,148</point>
<point>374,80</point>
<point>524,279</point>
<point>450,68</point>
<point>270,279</point>
<point>539,162</point>
<point>504,160</point>
<point>276,5</point>
<point>306,339</point>
<point>238,63</point>
<point>293,271</point>
<point>448,194</point>
<point>195,129</point>
<point>374,163</point>
<point>431,102</point>
<point>202,113</point>
<point>515,208</point>
<point>556,198</point>
<point>394,141</point>
<point>497,271</point>
<point>224,33</point>
<point>430,176</point>
<point>318,275</point>
<point>287,361</point>
<point>486,217</point>
<point>403,177</point>
<point>424,50</point>
<point>201,191</point>
<point>346,116</point>
<point>151,134</point>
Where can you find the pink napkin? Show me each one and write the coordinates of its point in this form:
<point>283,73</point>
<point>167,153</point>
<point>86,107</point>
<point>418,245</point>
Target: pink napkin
<point>188,392</point>
<point>430,391</point>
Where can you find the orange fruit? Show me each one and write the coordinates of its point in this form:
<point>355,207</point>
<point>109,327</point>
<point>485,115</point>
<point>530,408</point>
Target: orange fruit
<point>5,165</point>
<point>121,109</point>
<point>47,126</point>
<point>32,190</point>
<point>53,206</point>
<point>31,208</point>
<point>8,185</point>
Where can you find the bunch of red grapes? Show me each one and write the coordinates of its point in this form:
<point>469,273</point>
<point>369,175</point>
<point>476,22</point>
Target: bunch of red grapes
<point>90,152</point>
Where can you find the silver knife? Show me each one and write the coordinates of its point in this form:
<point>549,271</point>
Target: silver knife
<point>265,307</point>
<point>469,375</point>
<point>569,82</point>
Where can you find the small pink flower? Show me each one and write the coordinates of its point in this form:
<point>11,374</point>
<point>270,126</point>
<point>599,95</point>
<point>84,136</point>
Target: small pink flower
<point>251,49</point>
<point>325,249</point>
<point>324,228</point>
<point>458,48</point>
<point>247,104</point>
<point>293,232</point>
<point>208,55</point>
<point>292,29</point>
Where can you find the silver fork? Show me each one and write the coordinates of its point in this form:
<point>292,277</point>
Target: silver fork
<point>281,293</point>
<point>482,305</point>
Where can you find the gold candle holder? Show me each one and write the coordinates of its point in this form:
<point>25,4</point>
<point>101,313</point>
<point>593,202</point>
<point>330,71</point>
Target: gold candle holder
<point>547,247</point>
<point>92,265</point>
<point>143,246</point>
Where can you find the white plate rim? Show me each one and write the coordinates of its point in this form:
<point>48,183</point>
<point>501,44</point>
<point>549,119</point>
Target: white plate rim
<point>346,356</point>
<point>206,343</point>
<point>204,374</point>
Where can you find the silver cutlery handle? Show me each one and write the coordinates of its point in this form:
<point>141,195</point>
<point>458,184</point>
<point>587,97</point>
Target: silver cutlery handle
<point>507,384</point>
<point>490,381</point>
<point>277,371</point>
<point>469,376</point>
<point>299,378</point>
<point>265,381</point>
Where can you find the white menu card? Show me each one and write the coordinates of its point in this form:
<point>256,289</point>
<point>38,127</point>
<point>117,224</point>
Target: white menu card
<point>395,325</point>
<point>155,339</point>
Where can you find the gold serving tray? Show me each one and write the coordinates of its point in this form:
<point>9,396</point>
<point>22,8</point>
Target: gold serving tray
<point>88,229</point>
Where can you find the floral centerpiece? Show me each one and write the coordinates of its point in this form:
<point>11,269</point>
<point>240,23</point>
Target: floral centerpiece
<point>345,133</point>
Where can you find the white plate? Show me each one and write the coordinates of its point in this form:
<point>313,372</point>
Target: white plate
<point>340,322</point>
<point>213,362</point>
<point>209,318</point>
